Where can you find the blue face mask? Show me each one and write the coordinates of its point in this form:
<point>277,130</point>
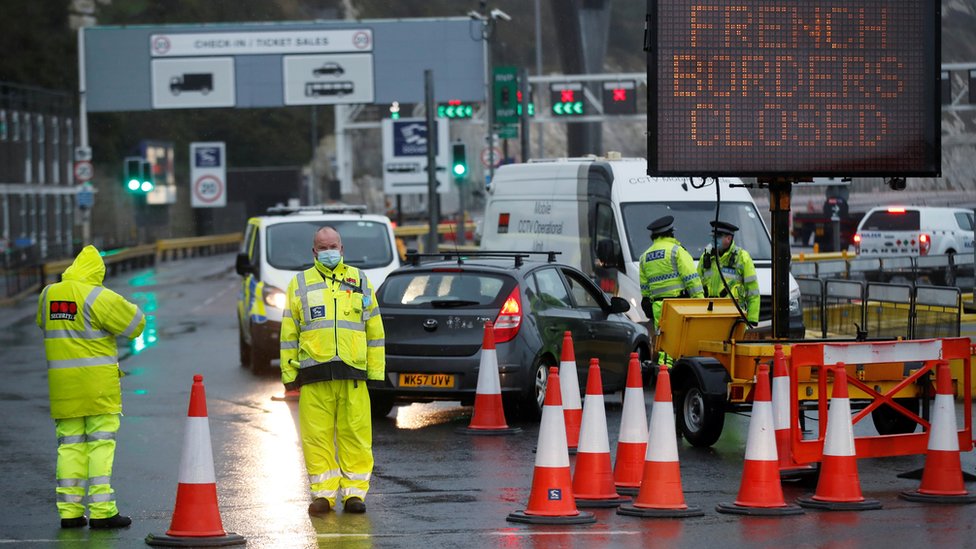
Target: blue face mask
<point>329,258</point>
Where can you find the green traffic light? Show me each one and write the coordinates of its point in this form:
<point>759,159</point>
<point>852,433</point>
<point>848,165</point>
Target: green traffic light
<point>460,169</point>
<point>146,186</point>
<point>134,184</point>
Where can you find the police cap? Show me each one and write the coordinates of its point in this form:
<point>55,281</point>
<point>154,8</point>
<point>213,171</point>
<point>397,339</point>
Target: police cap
<point>722,227</point>
<point>661,225</point>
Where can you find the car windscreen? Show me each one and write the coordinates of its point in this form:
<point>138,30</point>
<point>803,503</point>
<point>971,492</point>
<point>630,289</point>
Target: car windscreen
<point>441,289</point>
<point>691,226</point>
<point>366,244</point>
<point>891,220</point>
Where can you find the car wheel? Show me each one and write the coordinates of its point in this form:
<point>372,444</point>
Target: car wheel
<point>534,396</point>
<point>699,418</point>
<point>948,276</point>
<point>889,421</point>
<point>245,350</point>
<point>380,405</point>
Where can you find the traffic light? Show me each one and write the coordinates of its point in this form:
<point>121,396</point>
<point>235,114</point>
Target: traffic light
<point>567,99</point>
<point>133,174</point>
<point>459,161</point>
<point>395,110</point>
<point>146,184</point>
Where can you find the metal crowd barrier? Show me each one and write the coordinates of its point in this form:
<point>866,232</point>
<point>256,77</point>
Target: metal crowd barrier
<point>888,311</point>
<point>937,269</point>
<point>843,307</point>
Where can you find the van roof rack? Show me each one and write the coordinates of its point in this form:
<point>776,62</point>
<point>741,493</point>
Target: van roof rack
<point>414,258</point>
<point>321,208</point>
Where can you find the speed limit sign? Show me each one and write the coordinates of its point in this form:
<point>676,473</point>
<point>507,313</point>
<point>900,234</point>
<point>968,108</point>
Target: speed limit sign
<point>208,191</point>
<point>83,171</point>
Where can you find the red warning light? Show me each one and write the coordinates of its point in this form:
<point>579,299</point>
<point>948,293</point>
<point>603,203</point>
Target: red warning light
<point>619,94</point>
<point>566,96</point>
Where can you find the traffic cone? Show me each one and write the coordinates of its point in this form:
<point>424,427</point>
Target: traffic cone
<point>551,499</point>
<point>632,440</point>
<point>489,414</point>
<point>760,492</point>
<point>572,408</point>
<point>196,518</point>
<point>788,469</point>
<point>593,477</point>
<point>942,480</point>
<point>839,488</point>
<point>660,493</point>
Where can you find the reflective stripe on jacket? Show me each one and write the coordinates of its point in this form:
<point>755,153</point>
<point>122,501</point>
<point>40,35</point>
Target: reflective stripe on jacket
<point>331,316</point>
<point>668,270</point>
<point>80,319</point>
<point>740,274</point>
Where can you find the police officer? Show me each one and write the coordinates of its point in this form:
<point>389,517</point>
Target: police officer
<point>81,318</point>
<point>331,344</point>
<point>666,270</point>
<point>737,267</point>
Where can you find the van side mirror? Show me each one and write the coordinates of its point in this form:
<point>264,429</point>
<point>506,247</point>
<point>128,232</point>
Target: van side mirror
<point>243,265</point>
<point>619,305</point>
<point>607,251</point>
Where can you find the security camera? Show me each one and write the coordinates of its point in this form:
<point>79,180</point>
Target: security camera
<point>499,14</point>
<point>897,183</point>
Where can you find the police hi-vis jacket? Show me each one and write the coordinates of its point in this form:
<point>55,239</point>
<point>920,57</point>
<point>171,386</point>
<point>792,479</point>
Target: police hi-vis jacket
<point>740,275</point>
<point>80,319</point>
<point>331,317</point>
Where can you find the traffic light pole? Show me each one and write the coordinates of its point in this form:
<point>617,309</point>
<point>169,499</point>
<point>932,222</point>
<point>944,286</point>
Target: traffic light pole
<point>433,207</point>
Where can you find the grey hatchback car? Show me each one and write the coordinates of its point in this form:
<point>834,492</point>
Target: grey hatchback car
<point>434,312</point>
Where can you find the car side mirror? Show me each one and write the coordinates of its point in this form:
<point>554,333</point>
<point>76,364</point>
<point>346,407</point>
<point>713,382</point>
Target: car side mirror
<point>607,252</point>
<point>243,265</point>
<point>619,305</point>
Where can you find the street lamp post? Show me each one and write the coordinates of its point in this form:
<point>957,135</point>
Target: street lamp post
<point>487,18</point>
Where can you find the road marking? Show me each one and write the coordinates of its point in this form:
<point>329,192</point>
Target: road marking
<point>500,533</point>
<point>212,298</point>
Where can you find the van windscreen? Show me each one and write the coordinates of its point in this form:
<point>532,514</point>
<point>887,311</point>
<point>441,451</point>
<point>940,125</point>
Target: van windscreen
<point>366,244</point>
<point>691,226</point>
<point>892,220</point>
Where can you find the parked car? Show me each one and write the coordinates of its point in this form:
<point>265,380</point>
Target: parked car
<point>277,246</point>
<point>434,312</point>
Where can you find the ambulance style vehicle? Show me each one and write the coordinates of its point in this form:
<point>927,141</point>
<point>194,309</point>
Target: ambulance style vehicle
<point>595,211</point>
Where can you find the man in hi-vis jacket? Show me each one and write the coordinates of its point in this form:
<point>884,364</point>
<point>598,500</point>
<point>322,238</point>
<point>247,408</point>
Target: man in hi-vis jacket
<point>81,318</point>
<point>332,342</point>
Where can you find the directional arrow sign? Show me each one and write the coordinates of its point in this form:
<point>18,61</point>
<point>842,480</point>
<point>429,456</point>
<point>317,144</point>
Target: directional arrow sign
<point>566,98</point>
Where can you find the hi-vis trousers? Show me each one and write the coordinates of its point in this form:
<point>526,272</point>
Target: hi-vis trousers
<point>86,453</point>
<point>337,438</point>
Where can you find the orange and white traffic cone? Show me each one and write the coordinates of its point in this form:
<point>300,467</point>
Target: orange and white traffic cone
<point>942,479</point>
<point>760,492</point>
<point>196,518</point>
<point>788,469</point>
<point>839,487</point>
<point>551,499</point>
<point>632,439</point>
<point>593,477</point>
<point>489,414</point>
<point>569,381</point>
<point>660,494</point>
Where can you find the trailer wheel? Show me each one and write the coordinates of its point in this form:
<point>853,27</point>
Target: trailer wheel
<point>699,417</point>
<point>889,421</point>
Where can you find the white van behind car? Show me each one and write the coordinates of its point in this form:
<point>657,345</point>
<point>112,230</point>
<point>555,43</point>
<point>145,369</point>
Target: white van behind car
<point>594,207</point>
<point>913,231</point>
<point>278,245</point>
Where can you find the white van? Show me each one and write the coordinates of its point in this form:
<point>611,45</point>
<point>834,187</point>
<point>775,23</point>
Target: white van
<point>578,206</point>
<point>277,246</point>
<point>889,231</point>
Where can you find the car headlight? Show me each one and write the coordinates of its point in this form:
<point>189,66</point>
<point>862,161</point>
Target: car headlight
<point>274,297</point>
<point>794,301</point>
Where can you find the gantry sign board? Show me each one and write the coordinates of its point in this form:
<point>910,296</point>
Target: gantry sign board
<point>405,155</point>
<point>279,64</point>
<point>781,88</point>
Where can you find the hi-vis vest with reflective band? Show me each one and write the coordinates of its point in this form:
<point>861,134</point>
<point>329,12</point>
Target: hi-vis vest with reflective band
<point>332,317</point>
<point>740,274</point>
<point>80,319</point>
<point>667,269</point>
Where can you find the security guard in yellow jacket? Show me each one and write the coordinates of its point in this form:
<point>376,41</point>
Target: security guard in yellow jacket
<point>666,270</point>
<point>80,319</point>
<point>737,267</point>
<point>331,344</point>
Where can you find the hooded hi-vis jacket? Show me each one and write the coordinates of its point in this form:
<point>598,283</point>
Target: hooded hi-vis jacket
<point>80,319</point>
<point>331,323</point>
<point>740,275</point>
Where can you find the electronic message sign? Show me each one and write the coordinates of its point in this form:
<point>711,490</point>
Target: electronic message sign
<point>780,88</point>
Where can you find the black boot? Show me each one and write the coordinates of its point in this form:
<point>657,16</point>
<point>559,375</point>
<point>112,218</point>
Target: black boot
<point>76,522</point>
<point>354,505</point>
<point>114,521</point>
<point>319,507</point>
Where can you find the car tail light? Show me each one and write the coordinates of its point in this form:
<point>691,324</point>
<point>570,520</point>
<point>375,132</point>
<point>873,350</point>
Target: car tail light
<point>924,243</point>
<point>857,243</point>
<point>509,318</point>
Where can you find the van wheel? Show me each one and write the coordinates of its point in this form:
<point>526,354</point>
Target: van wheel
<point>889,421</point>
<point>700,419</point>
<point>948,276</point>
